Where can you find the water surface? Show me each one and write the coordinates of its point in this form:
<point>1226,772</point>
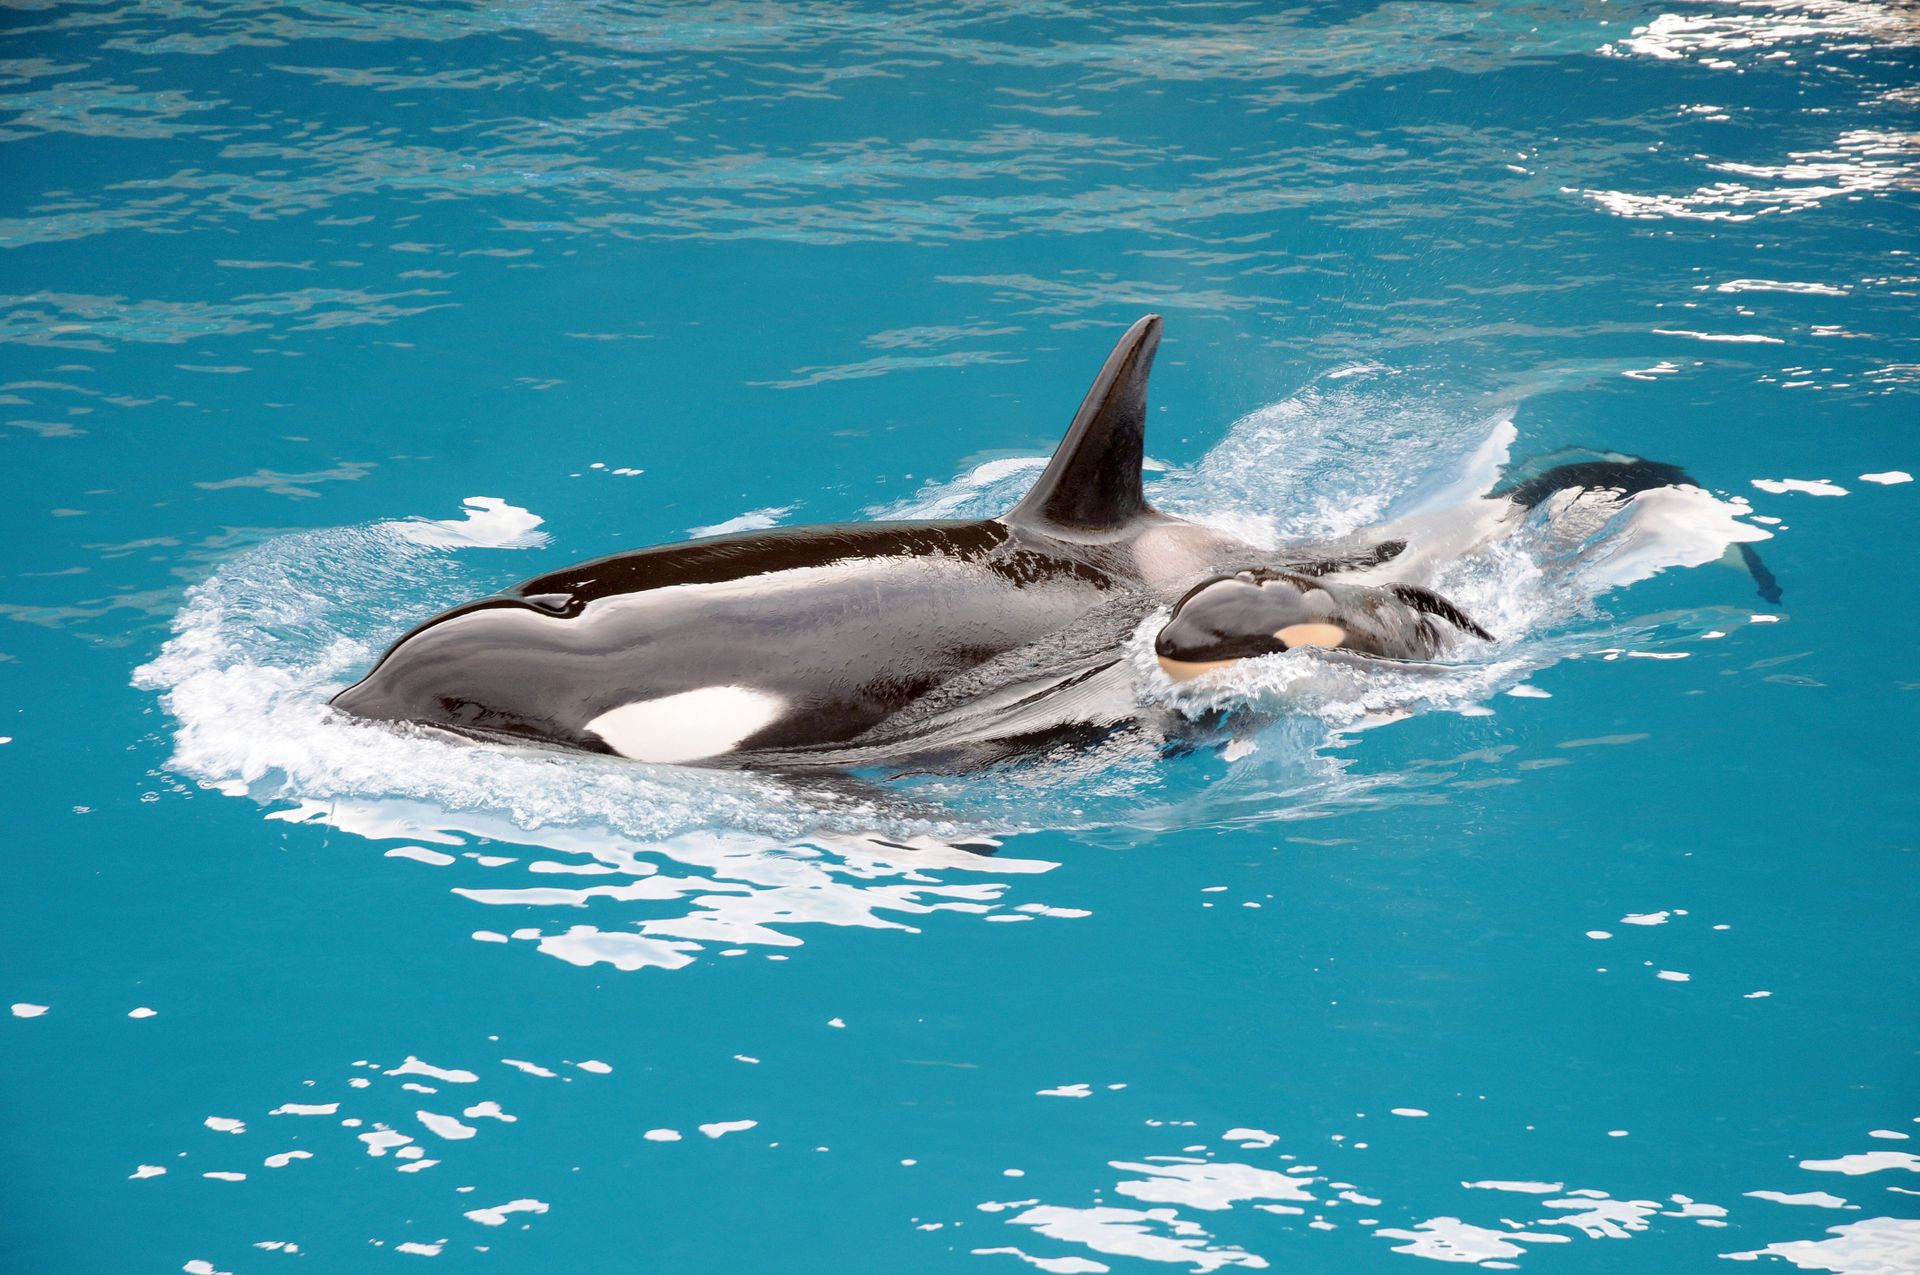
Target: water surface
<point>1595,953</point>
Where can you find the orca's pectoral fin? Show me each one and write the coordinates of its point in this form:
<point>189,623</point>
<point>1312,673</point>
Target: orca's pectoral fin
<point>1093,481</point>
<point>1431,603</point>
<point>1763,579</point>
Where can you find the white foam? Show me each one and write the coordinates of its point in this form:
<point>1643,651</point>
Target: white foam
<point>260,646</point>
<point>755,520</point>
<point>381,1140</point>
<point>1597,1215</point>
<point>1208,1186</point>
<point>1814,1199</point>
<point>420,854</point>
<point>445,1127</point>
<point>1783,285</point>
<point>1734,338</point>
<point>497,1214</point>
<point>1872,1246</point>
<point>1808,486</point>
<point>488,1111</point>
<point>1448,1239</point>
<point>490,523</point>
<point>1865,1162</point>
<point>1153,1235</point>
<point>586,945</point>
<point>452,1075</point>
<point>532,1069</point>
<point>1052,1265</point>
<point>987,490</point>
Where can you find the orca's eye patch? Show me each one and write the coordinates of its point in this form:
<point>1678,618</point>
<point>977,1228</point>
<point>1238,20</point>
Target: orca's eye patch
<point>1239,617</point>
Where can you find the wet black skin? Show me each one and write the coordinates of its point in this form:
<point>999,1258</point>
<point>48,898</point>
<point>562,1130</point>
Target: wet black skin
<point>1627,475</point>
<point>870,632</point>
<point>1231,617</point>
<point>847,623</point>
<point>1240,616</point>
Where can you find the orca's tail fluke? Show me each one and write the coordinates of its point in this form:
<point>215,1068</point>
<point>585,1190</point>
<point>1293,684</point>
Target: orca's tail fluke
<point>1093,481</point>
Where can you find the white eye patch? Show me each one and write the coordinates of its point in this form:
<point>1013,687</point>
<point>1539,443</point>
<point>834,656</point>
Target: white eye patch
<point>1294,635</point>
<point>690,726</point>
<point>1312,635</point>
<point>1187,670</point>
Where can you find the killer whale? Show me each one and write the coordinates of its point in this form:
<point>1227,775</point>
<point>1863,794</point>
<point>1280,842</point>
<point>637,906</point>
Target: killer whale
<point>851,645</point>
<point>1261,611</point>
<point>804,639</point>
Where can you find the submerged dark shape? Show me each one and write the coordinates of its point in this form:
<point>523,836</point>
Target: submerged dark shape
<point>1578,469</point>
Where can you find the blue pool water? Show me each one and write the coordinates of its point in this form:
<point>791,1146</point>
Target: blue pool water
<point>1596,952</point>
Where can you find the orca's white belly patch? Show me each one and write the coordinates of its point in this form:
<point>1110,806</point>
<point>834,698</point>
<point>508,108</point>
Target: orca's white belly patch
<point>690,726</point>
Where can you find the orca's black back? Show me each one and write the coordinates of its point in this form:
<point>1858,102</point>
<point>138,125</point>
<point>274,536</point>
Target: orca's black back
<point>1629,475</point>
<point>1624,476</point>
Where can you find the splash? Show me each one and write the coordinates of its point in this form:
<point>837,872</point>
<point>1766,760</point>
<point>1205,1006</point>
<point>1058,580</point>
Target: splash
<point>703,862</point>
<point>694,863</point>
<point>1491,1223</point>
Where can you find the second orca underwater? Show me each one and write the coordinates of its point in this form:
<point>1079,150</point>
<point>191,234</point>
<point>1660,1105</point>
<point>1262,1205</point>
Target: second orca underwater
<point>935,644</point>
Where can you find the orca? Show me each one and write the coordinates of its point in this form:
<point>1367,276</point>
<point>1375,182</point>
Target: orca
<point>1580,469</point>
<point>863,644</point>
<point>1261,611</point>
<point>792,641</point>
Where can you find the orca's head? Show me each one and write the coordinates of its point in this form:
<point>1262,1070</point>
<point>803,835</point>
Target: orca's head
<point>499,669</point>
<point>1237,617</point>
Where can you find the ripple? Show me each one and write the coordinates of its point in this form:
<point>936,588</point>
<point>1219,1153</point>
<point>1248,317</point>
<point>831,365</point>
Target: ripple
<point>605,863</point>
<point>1863,162</point>
<point>78,321</point>
<point>1725,36</point>
<point>1873,1246</point>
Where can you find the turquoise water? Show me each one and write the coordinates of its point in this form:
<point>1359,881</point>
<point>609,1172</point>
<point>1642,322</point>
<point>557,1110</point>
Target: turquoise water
<point>1595,953</point>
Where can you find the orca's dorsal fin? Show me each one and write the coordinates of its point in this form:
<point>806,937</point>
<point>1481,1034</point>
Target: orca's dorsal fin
<point>1093,481</point>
